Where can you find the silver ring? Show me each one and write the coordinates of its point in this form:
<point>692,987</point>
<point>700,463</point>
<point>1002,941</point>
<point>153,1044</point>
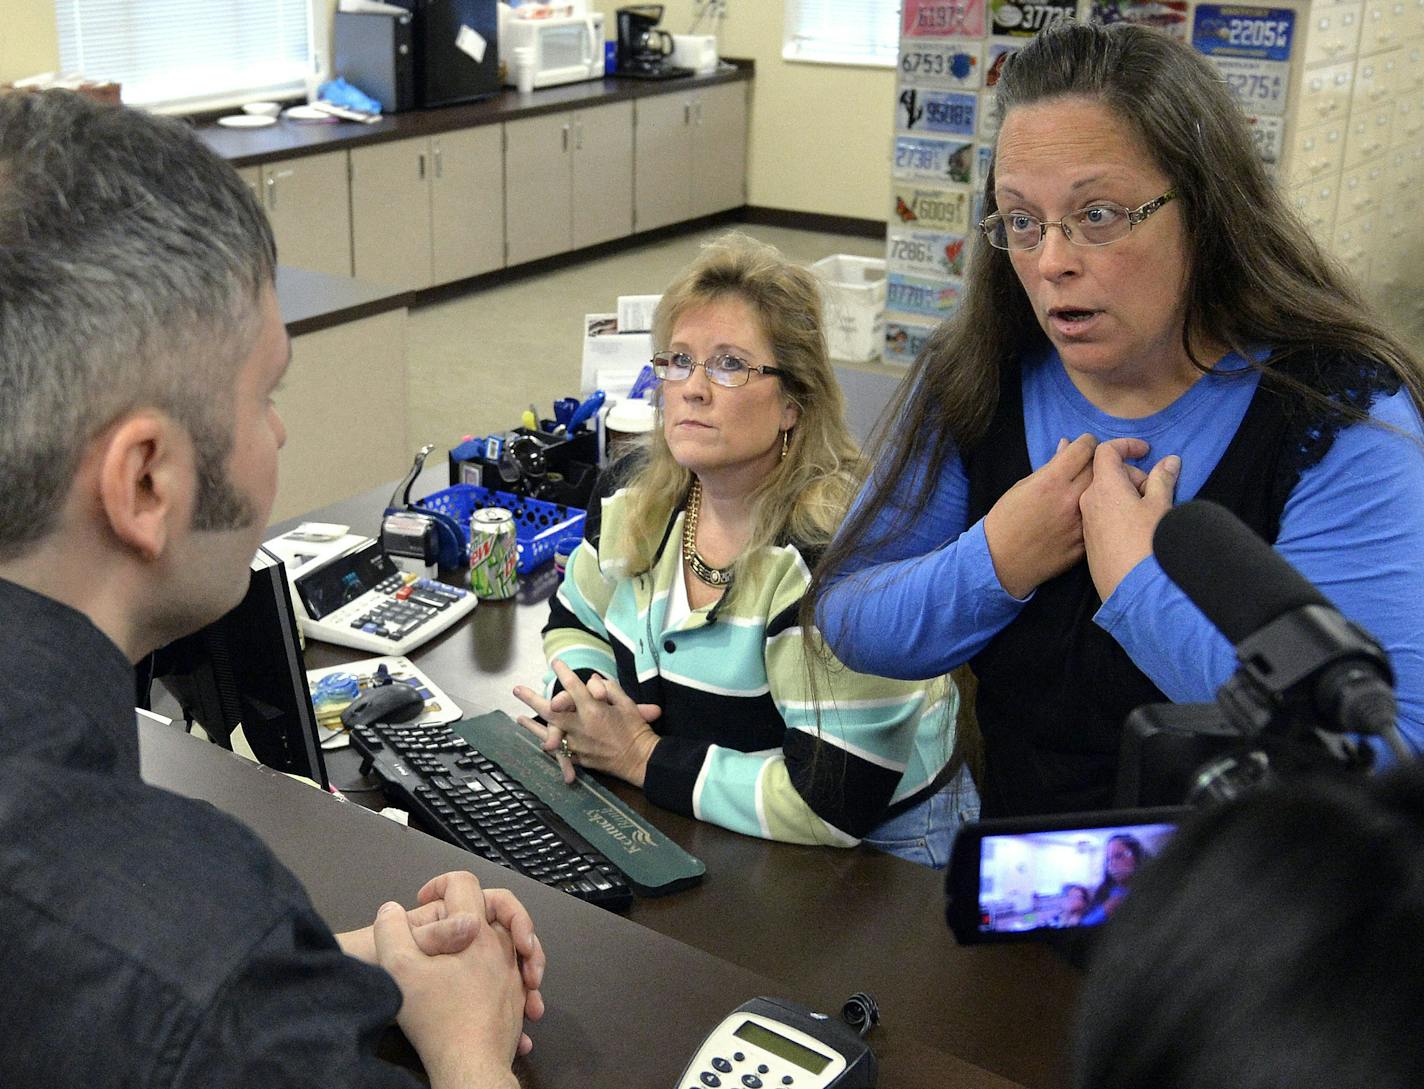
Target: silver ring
<point>564,748</point>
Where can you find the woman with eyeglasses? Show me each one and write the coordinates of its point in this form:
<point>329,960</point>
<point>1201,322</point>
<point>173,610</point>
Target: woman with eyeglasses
<point>678,662</point>
<point>1144,321</point>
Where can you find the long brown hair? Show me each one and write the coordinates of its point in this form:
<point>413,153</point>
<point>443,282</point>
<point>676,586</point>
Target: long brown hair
<point>1256,277</point>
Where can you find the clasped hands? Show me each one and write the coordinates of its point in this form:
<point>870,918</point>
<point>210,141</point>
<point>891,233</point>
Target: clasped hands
<point>469,967</point>
<point>1086,500</point>
<point>597,724</point>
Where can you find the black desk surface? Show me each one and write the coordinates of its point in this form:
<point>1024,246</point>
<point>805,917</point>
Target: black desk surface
<point>811,924</point>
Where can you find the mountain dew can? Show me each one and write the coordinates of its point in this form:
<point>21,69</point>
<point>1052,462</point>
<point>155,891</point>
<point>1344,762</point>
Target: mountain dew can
<point>493,554</point>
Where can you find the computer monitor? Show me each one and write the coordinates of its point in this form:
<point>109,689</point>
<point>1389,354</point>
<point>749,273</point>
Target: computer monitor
<point>246,670</point>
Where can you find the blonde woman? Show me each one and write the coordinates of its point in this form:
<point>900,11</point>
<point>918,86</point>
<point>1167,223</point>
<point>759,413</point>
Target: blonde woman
<point>677,660</point>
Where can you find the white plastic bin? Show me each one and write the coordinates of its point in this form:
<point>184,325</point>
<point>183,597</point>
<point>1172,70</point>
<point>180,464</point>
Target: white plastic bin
<point>855,305</point>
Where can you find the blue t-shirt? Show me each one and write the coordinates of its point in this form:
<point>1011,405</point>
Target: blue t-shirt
<point>927,598</point>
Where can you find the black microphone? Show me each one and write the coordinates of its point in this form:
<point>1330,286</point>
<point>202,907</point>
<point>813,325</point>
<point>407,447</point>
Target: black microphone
<point>1297,653</point>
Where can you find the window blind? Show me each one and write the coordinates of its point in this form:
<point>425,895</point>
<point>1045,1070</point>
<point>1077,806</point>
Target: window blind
<point>187,53</point>
<point>842,31</point>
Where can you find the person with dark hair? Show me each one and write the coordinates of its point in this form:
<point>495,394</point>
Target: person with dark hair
<point>1121,860</point>
<point>676,659</point>
<point>1075,905</point>
<point>1273,944</point>
<point>150,939</point>
<point>1145,321</point>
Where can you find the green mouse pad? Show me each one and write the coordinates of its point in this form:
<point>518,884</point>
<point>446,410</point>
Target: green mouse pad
<point>653,864</point>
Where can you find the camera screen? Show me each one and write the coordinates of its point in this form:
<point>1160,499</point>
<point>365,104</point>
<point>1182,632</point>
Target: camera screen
<point>1054,879</point>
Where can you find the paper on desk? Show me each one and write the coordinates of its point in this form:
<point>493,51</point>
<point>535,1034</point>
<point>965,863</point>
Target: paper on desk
<point>606,348</point>
<point>635,312</point>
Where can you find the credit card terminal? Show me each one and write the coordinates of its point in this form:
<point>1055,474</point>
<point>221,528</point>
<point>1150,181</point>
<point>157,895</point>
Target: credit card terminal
<point>778,1044</point>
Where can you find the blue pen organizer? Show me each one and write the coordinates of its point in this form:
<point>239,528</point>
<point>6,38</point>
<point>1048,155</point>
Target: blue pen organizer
<point>538,525</point>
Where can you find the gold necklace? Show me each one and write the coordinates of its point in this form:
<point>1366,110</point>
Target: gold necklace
<point>712,576</point>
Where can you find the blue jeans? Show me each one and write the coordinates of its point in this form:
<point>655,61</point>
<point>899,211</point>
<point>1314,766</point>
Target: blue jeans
<point>925,832</point>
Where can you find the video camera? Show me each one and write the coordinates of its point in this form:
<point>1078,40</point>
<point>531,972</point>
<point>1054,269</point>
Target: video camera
<point>1310,692</point>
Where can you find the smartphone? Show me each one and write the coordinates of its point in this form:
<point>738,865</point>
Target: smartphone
<point>1033,877</point>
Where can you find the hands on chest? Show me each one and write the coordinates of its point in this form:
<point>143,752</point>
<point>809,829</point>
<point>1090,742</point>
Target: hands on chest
<point>1085,501</point>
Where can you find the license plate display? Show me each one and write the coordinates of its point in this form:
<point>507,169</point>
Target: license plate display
<point>1221,30</point>
<point>945,210</point>
<point>1025,18</point>
<point>942,18</point>
<point>925,253</point>
<point>921,158</point>
<point>1259,86</point>
<point>952,113</point>
<point>945,65</point>
<point>920,295</point>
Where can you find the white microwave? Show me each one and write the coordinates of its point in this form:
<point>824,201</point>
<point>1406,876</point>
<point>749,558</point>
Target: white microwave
<point>567,49</point>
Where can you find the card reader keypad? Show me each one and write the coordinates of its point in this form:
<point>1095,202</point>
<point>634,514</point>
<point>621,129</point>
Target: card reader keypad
<point>751,1081</point>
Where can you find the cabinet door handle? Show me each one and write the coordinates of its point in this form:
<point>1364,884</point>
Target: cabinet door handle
<point>578,136</point>
<point>421,157</point>
<point>687,113</point>
<point>271,193</point>
<point>564,132</point>
<point>439,162</point>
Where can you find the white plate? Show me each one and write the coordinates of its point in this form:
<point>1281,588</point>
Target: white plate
<point>307,113</point>
<point>246,121</point>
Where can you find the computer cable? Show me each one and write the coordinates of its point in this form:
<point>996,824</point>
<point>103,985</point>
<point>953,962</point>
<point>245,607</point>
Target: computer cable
<point>861,1012</point>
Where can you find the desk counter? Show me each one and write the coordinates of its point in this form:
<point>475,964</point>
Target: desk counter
<point>819,923</point>
<point>292,139</point>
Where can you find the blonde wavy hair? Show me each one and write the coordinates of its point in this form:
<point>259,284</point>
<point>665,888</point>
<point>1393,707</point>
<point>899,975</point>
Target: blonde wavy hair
<point>805,497</point>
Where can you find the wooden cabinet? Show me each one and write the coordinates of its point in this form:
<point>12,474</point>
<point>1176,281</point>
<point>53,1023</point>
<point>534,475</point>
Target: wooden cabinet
<point>690,155</point>
<point>466,203</point>
<point>568,181</point>
<point>719,149</point>
<point>602,181</point>
<point>308,202</point>
<point>428,210</point>
<point>420,211</point>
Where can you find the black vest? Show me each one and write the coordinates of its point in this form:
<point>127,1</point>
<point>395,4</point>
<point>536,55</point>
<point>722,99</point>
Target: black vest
<point>1054,688</point>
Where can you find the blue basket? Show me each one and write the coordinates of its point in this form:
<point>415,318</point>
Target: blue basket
<point>537,525</point>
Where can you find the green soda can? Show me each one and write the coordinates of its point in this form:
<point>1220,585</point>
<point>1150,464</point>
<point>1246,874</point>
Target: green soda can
<point>493,554</point>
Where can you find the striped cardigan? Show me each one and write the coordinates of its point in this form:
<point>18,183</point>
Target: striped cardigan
<point>747,739</point>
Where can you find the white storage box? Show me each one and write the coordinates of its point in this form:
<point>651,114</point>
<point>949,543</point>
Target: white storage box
<point>854,288</point>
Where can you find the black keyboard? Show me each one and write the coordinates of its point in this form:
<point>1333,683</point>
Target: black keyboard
<point>461,796</point>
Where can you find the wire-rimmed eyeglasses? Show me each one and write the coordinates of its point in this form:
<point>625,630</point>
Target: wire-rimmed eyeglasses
<point>723,368</point>
<point>1099,224</point>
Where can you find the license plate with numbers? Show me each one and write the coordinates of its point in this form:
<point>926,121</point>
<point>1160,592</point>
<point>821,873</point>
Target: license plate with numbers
<point>920,295</point>
<point>904,339</point>
<point>1219,30</point>
<point>945,210</point>
<point>925,253</point>
<point>952,113</point>
<point>1258,86</point>
<point>921,158</point>
<point>942,18</point>
<point>945,65</point>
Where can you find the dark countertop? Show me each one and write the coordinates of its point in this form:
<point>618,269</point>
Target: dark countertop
<point>310,301</point>
<point>290,139</point>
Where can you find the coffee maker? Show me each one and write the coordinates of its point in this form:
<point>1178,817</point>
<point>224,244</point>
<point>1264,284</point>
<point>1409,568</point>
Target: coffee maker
<point>643,49</point>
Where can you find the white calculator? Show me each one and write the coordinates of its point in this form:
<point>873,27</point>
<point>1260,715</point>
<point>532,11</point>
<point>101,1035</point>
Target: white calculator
<point>771,1043</point>
<point>361,599</point>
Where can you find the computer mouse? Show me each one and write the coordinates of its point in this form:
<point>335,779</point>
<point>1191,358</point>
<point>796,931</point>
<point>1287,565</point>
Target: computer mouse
<point>394,702</point>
